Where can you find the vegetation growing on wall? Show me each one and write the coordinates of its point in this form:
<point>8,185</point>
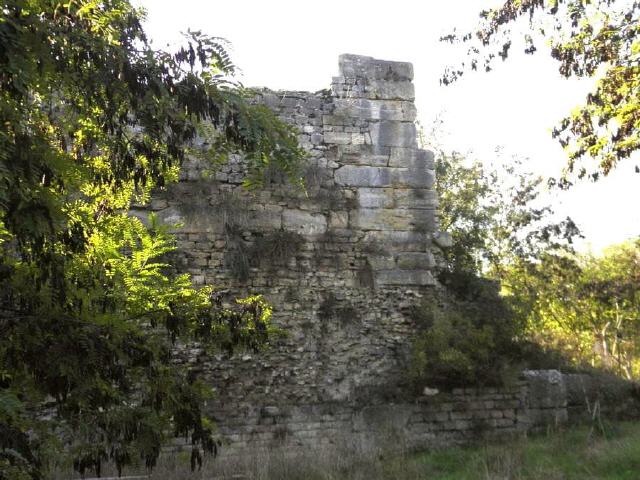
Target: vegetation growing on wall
<point>559,308</point>
<point>276,248</point>
<point>467,335</point>
<point>91,119</point>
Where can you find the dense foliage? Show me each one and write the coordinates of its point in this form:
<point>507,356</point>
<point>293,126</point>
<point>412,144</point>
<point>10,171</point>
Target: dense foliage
<point>557,307</point>
<point>599,39</point>
<point>91,119</point>
<point>467,335</point>
<point>496,215</point>
<point>498,221</point>
<point>586,306</point>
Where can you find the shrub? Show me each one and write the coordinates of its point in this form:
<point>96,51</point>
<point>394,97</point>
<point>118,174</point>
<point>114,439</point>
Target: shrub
<point>467,335</point>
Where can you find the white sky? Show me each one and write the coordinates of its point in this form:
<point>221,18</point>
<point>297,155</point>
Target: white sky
<point>286,44</point>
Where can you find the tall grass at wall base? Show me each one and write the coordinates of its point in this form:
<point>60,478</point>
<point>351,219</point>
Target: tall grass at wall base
<point>577,453</point>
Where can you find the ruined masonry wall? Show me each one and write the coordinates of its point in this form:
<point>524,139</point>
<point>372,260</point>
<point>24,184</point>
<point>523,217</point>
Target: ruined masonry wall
<point>342,262</point>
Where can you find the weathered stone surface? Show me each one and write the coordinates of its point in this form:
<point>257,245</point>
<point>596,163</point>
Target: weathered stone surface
<point>356,66</point>
<point>376,197</point>
<point>366,176</point>
<point>367,109</point>
<point>406,241</point>
<point>383,90</point>
<point>393,134</point>
<point>411,158</point>
<point>170,216</point>
<point>443,239</point>
<point>303,222</point>
<point>338,138</point>
<point>416,261</point>
<point>404,277</point>
<point>381,219</point>
<point>342,260</point>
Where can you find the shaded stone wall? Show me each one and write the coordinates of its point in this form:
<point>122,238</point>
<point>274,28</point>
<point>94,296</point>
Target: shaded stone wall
<point>537,401</point>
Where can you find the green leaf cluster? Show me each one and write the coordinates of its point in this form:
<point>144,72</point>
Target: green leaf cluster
<point>584,305</point>
<point>92,119</point>
<point>596,39</point>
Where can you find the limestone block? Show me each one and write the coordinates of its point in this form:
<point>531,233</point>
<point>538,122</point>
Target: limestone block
<point>170,216</point>
<point>411,158</point>
<point>382,262</point>
<point>403,241</point>
<point>338,138</point>
<point>376,197</point>
<point>305,223</point>
<point>367,109</point>
<point>416,198</point>
<point>381,219</point>
<point>372,160</point>
<point>416,261</point>
<point>386,418</point>
<point>354,66</point>
<point>338,220</point>
<point>364,176</point>
<point>546,389</point>
<point>404,277</point>
<point>381,89</point>
<point>393,134</point>
<point>443,239</point>
<point>264,220</point>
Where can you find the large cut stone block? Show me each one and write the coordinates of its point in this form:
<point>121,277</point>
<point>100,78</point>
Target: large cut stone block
<point>365,176</point>
<point>404,277</point>
<point>393,134</point>
<point>415,198</point>
<point>411,158</point>
<point>383,90</point>
<point>265,220</point>
<point>303,222</point>
<point>339,138</point>
<point>416,261</point>
<point>414,178</point>
<point>367,109</point>
<point>381,219</point>
<point>406,241</point>
<point>376,197</point>
<point>357,66</point>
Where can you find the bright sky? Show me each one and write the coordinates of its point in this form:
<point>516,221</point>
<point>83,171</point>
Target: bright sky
<point>287,44</point>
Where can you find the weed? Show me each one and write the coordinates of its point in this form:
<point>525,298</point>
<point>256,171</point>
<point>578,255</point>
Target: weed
<point>276,248</point>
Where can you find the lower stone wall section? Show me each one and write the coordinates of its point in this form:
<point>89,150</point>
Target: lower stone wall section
<point>535,402</point>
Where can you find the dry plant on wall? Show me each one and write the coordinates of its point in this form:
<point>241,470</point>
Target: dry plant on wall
<point>232,211</point>
<point>276,248</point>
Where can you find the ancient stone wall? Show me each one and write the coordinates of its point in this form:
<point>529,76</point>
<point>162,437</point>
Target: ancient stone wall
<point>343,261</point>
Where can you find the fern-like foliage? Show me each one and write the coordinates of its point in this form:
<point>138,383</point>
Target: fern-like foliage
<point>91,119</point>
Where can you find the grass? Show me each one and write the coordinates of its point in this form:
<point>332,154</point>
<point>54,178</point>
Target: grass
<point>568,455</point>
<point>572,454</point>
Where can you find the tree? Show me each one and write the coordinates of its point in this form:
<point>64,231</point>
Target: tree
<point>584,305</point>
<point>496,215</point>
<point>92,118</point>
<point>598,39</point>
<point>498,221</point>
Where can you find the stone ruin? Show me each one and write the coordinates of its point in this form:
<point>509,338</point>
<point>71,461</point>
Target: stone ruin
<point>342,261</point>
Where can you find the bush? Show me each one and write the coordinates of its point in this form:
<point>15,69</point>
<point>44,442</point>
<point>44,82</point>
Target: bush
<point>467,336</point>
